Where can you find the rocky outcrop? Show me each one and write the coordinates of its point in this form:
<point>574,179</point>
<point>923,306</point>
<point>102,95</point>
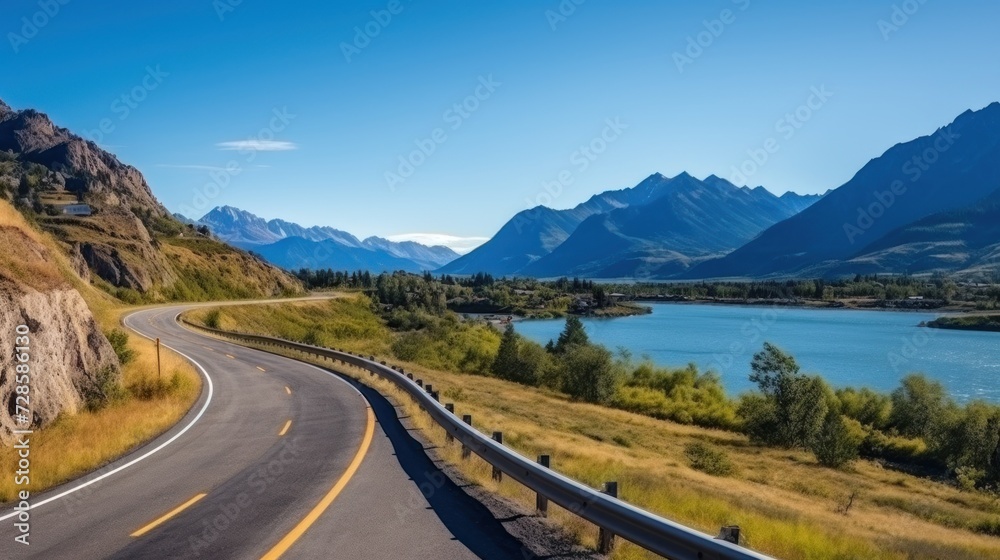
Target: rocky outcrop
<point>67,353</point>
<point>129,240</point>
<point>105,181</point>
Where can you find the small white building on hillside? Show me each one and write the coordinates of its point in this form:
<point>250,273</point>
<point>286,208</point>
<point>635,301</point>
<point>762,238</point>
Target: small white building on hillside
<point>76,209</point>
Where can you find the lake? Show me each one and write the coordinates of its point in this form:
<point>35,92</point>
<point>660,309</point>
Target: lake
<point>847,347</point>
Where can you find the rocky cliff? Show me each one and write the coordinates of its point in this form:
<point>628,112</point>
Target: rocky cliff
<point>67,351</point>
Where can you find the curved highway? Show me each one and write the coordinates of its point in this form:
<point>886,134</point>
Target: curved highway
<point>276,459</point>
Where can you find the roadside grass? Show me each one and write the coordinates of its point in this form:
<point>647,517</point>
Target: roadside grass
<point>786,503</point>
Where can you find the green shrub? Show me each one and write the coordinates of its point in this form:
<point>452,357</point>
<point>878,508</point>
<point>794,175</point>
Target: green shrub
<point>837,444</point>
<point>104,389</point>
<point>866,406</point>
<point>989,527</point>
<point>212,319</point>
<point>708,459</point>
<point>589,373</point>
<point>878,445</point>
<point>119,341</point>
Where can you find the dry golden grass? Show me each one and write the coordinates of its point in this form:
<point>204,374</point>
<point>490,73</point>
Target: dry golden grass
<point>787,505</point>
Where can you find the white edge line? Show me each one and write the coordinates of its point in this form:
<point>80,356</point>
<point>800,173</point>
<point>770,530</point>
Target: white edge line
<point>201,412</point>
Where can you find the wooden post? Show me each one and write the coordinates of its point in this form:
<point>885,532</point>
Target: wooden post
<point>157,358</point>
<point>450,407</point>
<point>497,473</point>
<point>466,452</point>
<point>429,388</point>
<point>436,396</point>
<point>606,539</point>
<point>541,502</point>
<point>420,383</point>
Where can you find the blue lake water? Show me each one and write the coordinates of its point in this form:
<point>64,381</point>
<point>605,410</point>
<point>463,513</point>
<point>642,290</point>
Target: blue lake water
<point>847,347</point>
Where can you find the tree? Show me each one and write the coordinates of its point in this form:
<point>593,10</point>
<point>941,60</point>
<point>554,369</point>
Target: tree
<point>506,363</point>
<point>836,445</point>
<point>589,374</point>
<point>790,408</point>
<point>573,334</point>
<point>918,407</point>
<point>972,444</point>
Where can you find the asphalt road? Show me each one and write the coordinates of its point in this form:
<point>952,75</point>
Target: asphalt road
<point>277,458</point>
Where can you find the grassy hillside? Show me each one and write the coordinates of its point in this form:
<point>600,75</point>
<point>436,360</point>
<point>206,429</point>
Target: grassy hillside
<point>77,443</point>
<point>786,503</point>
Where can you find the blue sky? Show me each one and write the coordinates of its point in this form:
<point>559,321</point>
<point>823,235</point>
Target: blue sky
<point>286,110</point>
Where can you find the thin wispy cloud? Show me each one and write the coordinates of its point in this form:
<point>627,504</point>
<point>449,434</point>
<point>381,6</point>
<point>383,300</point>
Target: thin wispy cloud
<point>460,245</point>
<point>196,167</point>
<point>258,145</point>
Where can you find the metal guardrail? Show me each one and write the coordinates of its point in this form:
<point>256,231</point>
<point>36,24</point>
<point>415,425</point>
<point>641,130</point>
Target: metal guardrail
<point>649,531</point>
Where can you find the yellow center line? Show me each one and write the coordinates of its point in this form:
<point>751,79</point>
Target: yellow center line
<point>285,429</point>
<point>167,516</point>
<point>261,369</point>
<point>287,390</point>
<point>317,511</point>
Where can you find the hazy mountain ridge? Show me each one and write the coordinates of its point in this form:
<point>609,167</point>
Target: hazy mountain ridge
<point>293,246</point>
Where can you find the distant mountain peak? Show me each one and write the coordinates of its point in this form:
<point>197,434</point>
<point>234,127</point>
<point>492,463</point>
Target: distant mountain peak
<point>289,244</point>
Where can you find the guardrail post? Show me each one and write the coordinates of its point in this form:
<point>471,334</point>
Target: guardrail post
<point>429,388</point>
<point>420,383</point>
<point>409,376</point>
<point>541,502</point>
<point>466,452</point>
<point>730,534</point>
<point>497,473</point>
<point>606,539</point>
<point>436,396</point>
<point>450,407</point>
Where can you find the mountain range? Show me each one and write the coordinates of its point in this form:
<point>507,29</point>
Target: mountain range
<point>293,246</point>
<point>660,227</point>
<point>923,206</point>
<point>928,205</point>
